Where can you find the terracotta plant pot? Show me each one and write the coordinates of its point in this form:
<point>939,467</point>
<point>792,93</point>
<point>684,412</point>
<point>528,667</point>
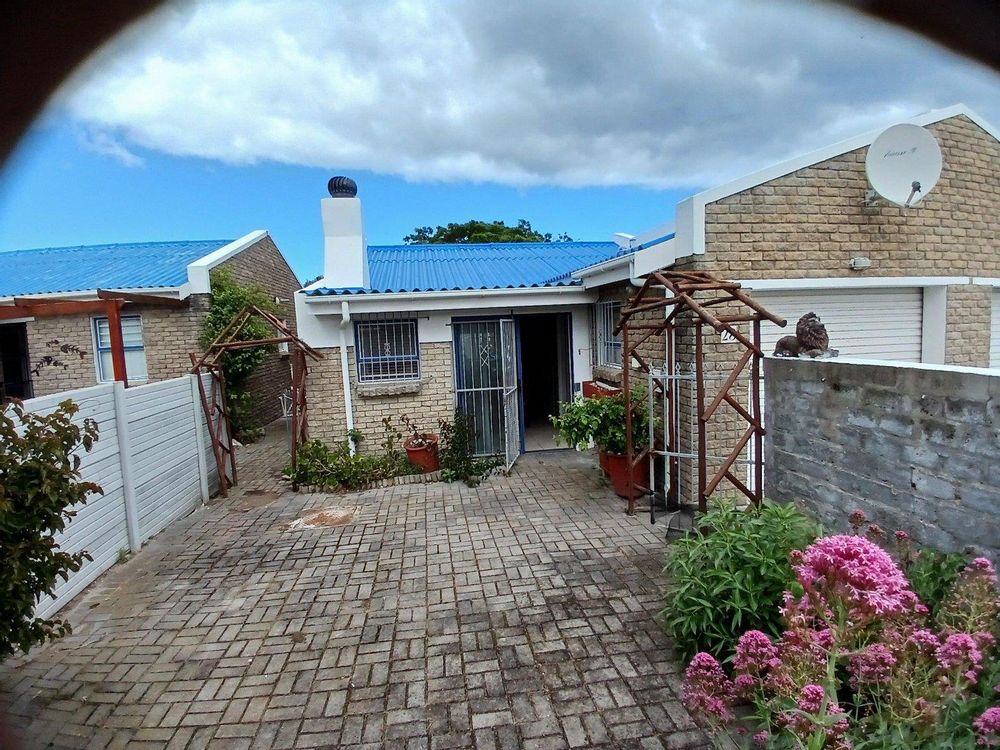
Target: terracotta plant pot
<point>618,472</point>
<point>424,457</point>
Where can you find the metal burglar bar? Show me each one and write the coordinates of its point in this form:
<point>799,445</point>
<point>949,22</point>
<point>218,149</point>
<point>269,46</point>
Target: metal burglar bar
<point>486,385</point>
<point>387,350</point>
<point>609,345</point>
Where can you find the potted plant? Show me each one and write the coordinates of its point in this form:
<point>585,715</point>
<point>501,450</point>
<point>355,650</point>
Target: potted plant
<point>421,447</point>
<point>609,434</point>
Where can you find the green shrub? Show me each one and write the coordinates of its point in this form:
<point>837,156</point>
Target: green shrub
<point>318,465</point>
<point>932,574</point>
<point>728,576</point>
<point>456,450</point>
<point>39,485</point>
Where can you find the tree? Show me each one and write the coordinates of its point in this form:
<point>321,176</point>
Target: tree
<point>480,231</point>
<point>40,484</point>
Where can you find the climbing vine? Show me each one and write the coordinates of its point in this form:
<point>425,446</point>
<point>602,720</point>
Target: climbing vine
<point>228,298</point>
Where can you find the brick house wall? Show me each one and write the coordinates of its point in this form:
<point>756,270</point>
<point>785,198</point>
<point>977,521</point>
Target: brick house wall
<point>263,265</point>
<point>170,334</point>
<point>810,223</point>
<point>425,402</point>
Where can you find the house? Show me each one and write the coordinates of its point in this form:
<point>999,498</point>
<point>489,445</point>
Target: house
<point>157,337</point>
<point>504,332</point>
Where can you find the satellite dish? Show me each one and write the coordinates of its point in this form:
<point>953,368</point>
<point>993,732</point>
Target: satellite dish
<point>904,164</point>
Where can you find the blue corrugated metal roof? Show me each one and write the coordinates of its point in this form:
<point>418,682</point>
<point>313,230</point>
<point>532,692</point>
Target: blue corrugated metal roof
<point>137,265</point>
<point>434,268</point>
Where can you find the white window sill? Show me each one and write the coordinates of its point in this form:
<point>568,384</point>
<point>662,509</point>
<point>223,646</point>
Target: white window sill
<point>388,388</point>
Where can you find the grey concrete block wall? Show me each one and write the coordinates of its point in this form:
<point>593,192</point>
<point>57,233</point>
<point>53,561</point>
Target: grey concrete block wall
<point>916,447</point>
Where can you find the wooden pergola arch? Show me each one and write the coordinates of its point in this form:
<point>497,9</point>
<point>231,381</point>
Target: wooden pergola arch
<point>213,399</point>
<point>687,297</point>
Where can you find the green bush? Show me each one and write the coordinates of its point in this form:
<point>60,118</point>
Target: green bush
<point>456,450</point>
<point>728,576</point>
<point>39,485</point>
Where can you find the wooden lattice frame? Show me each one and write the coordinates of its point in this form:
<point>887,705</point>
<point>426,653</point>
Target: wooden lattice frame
<point>690,294</point>
<point>213,399</point>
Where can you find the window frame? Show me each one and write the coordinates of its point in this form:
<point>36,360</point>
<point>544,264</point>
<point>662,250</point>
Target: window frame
<point>95,328</point>
<point>409,363</point>
<point>606,315</point>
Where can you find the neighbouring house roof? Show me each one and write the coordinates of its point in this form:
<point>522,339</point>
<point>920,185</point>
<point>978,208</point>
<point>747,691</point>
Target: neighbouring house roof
<point>438,268</point>
<point>138,265</point>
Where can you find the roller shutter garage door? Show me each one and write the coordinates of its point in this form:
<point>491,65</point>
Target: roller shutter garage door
<point>995,330</point>
<point>868,323</point>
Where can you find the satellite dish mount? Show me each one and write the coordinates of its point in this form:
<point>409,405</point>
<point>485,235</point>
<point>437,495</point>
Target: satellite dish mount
<point>903,164</point>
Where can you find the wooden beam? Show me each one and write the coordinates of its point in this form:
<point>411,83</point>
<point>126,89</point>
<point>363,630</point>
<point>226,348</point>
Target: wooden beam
<point>144,299</point>
<point>41,309</point>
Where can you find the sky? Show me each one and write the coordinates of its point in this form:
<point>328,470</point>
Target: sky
<point>212,119</point>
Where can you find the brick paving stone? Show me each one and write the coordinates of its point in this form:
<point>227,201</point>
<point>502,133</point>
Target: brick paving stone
<point>515,614</point>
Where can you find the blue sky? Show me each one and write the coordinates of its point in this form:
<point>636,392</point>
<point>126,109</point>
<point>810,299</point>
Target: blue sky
<point>58,192</point>
<point>211,119</point>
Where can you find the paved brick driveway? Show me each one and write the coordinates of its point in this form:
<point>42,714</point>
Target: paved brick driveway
<point>516,614</point>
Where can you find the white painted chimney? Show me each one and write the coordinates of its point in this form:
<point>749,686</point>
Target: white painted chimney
<point>345,252</point>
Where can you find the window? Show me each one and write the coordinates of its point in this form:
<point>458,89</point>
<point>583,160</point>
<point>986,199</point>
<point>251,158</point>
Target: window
<point>135,352</point>
<point>609,346</point>
<point>387,350</point>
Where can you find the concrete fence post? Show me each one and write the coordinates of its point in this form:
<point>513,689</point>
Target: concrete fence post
<point>125,462</point>
<point>199,438</point>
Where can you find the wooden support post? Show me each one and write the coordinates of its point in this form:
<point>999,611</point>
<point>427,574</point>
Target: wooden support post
<point>758,438</point>
<point>699,365</point>
<point>627,391</point>
<point>114,309</point>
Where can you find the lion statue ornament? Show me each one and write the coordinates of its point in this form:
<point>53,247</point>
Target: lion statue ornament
<point>810,339</point>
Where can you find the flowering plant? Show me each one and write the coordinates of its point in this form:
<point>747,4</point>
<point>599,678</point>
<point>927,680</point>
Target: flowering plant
<point>862,662</point>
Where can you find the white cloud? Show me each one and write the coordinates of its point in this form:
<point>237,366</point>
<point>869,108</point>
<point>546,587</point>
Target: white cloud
<point>663,94</point>
<point>102,142</point>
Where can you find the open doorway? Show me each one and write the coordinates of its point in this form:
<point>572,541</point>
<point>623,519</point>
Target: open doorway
<point>546,376</point>
<point>15,369</point>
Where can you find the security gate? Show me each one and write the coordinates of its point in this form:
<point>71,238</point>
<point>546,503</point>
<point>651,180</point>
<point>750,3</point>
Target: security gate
<point>486,385</point>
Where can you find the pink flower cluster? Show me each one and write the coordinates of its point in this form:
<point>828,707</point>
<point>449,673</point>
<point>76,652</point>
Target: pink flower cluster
<point>809,719</point>
<point>960,652</point>
<point>873,666</point>
<point>707,689</point>
<point>987,727</point>
<point>755,653</point>
<point>857,572</point>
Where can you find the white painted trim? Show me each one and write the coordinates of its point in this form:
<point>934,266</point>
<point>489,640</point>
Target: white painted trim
<point>17,320</point>
<point>984,281</point>
<point>934,323</point>
<point>604,265</point>
<point>89,295</point>
<point>691,211</point>
<point>963,369</point>
<point>197,271</point>
<point>457,300</point>
<point>851,282</point>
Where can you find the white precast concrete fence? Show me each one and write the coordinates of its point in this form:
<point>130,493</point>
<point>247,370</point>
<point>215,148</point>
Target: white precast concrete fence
<point>154,461</point>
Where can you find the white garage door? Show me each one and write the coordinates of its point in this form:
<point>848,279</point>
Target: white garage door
<point>995,331</point>
<point>871,323</point>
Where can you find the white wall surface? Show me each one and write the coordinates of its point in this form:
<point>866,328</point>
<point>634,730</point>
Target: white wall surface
<point>146,460</point>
